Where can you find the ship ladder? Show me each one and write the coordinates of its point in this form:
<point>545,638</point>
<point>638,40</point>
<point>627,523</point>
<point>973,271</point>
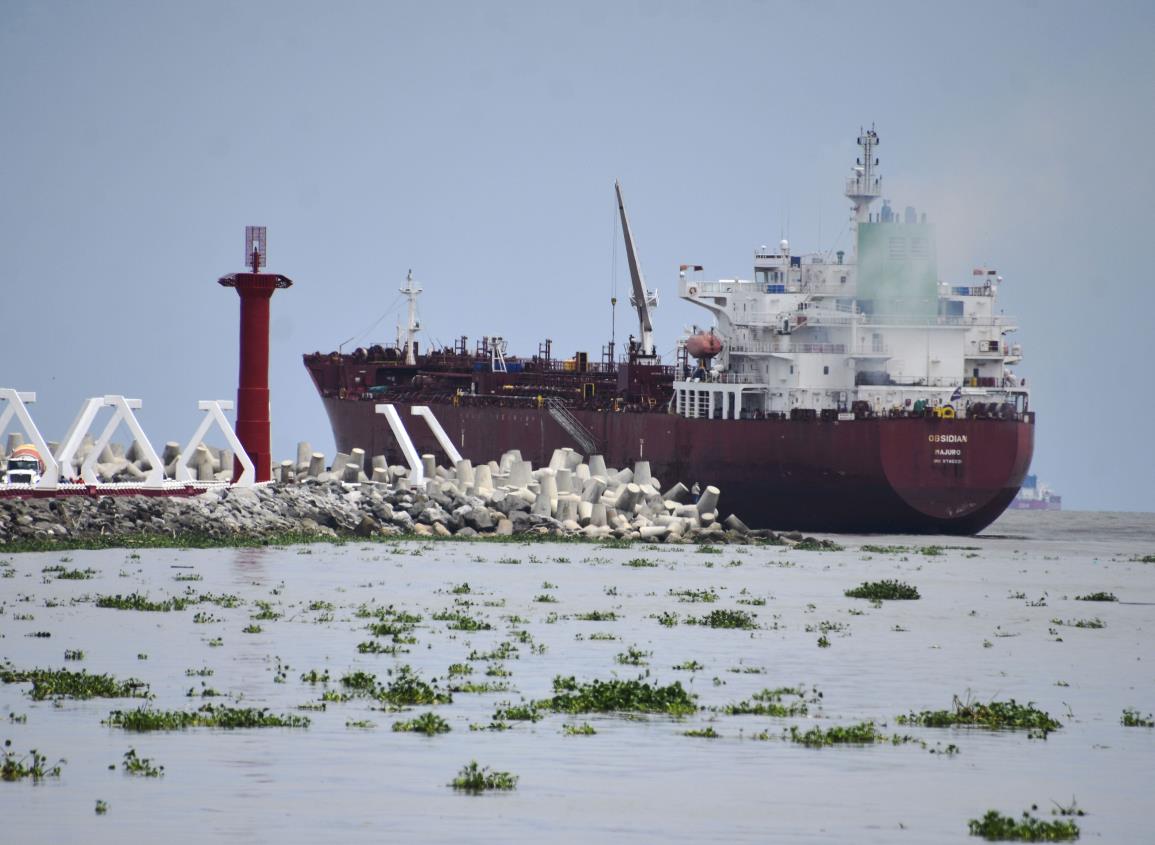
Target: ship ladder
<point>573,426</point>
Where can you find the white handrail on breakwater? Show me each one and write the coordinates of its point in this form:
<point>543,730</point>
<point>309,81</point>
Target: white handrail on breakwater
<point>63,457</point>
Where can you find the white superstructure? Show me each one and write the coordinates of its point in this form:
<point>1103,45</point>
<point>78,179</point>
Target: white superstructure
<point>873,332</point>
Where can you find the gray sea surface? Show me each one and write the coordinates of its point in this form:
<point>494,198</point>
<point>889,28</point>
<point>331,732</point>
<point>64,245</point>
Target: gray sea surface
<point>984,628</point>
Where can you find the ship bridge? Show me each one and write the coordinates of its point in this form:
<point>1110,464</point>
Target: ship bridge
<point>873,330</point>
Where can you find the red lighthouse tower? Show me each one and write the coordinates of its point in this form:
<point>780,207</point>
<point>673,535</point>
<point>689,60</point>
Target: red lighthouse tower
<point>255,290</point>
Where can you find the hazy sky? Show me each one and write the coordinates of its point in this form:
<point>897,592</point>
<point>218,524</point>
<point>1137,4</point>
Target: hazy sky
<point>478,144</point>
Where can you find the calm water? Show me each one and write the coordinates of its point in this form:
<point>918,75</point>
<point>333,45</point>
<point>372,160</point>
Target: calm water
<point>637,779</point>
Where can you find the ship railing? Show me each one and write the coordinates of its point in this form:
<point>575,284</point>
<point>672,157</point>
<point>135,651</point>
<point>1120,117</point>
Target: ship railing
<point>727,378</point>
<point>938,320</point>
<point>862,187</point>
<point>699,287</point>
<point>824,317</point>
<point>555,365</point>
<point>788,348</point>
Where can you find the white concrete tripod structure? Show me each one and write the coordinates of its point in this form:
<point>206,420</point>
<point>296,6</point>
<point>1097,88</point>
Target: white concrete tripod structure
<point>154,478</point>
<point>416,469</point>
<point>15,406</point>
<point>438,432</point>
<point>216,413</point>
<point>79,429</point>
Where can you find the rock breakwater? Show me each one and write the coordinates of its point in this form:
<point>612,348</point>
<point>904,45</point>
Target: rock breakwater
<point>502,498</point>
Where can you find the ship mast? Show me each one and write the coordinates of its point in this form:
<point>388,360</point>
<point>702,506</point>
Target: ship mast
<point>411,293</point>
<point>643,299</point>
<point>865,186</point>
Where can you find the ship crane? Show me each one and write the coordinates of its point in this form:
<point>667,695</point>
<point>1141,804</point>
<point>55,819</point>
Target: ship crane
<point>643,299</point>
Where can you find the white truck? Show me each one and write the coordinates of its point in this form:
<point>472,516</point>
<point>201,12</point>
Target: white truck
<point>24,466</point>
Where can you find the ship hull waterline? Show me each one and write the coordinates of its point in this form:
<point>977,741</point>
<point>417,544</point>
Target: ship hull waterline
<point>908,475</point>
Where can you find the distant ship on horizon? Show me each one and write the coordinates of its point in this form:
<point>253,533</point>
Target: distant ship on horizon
<point>1034,496</point>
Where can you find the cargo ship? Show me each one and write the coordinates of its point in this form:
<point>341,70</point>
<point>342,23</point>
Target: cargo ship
<point>1034,496</point>
<point>832,391</point>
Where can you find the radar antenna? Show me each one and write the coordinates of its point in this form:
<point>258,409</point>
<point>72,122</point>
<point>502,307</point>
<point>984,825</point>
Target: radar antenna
<point>643,299</point>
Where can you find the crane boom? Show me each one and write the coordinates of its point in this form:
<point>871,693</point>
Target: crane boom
<point>643,298</point>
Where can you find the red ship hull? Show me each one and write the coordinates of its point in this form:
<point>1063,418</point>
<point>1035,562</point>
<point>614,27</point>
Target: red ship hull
<point>907,475</point>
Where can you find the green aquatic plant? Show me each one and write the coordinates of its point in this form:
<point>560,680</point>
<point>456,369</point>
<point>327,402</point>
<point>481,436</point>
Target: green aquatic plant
<point>780,703</point>
<point>360,682</point>
<point>76,574</point>
<point>617,543</point>
<point>135,601</point>
<point>472,687</point>
<point>545,598</point>
<point>141,766</point>
<point>504,650</point>
<point>64,683</point>
<point>33,765</point>
<point>265,612</point>
<point>883,550</point>
<point>883,591</point>
<point>1097,597</point>
<point>208,716</point>
<point>721,618</point>
<point>707,732</point>
<point>864,733</point>
<point>584,729</point>
<point>1134,719</point>
<point>407,689</point>
<point>475,779</point>
<point>633,656</point>
<point>640,562</point>
<point>1093,624</point>
<point>524,712</point>
<point>812,544</point>
<point>73,654</point>
<point>705,594</point>
<point>996,715</point>
<point>101,807</point>
<point>689,666</point>
<point>995,827</point>
<point>616,695</point>
<point>596,616</point>
<point>429,724</point>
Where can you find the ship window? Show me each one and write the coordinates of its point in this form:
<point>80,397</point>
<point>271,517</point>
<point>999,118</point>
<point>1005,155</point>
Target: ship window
<point>826,371</point>
<point>791,369</point>
<point>918,247</point>
<point>897,249</point>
